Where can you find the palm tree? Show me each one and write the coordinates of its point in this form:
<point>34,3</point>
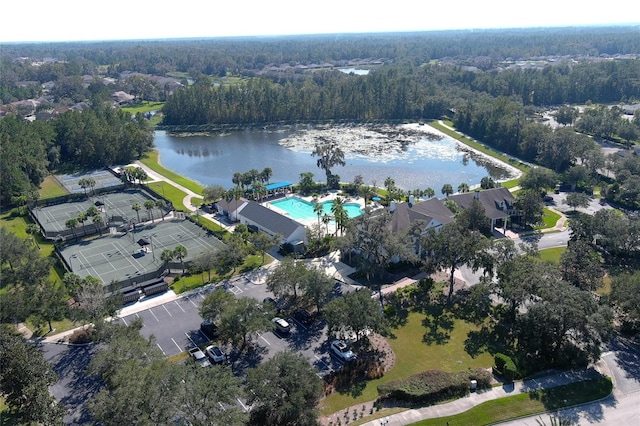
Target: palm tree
<point>71,224</point>
<point>161,204</point>
<point>463,187</point>
<point>167,256</point>
<point>180,252</point>
<point>82,217</point>
<point>339,213</point>
<point>140,175</point>
<point>149,205</point>
<point>429,192</point>
<point>447,189</point>
<point>265,174</point>
<point>237,179</point>
<point>84,184</point>
<point>137,207</point>
<point>33,229</point>
<point>97,221</point>
<point>326,219</point>
<point>318,209</point>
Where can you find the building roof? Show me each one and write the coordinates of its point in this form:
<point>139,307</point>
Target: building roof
<point>432,212</point>
<point>231,206</point>
<point>278,185</point>
<point>269,219</point>
<point>497,202</point>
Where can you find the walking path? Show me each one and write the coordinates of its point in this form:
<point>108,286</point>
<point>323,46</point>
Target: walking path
<point>473,399</point>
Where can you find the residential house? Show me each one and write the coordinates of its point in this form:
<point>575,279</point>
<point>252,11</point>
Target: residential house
<point>497,203</point>
<point>432,212</point>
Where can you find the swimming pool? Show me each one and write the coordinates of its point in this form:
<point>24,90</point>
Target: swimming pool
<point>300,209</point>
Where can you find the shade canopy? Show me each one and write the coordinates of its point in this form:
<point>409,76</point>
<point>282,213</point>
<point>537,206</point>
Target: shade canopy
<point>142,242</point>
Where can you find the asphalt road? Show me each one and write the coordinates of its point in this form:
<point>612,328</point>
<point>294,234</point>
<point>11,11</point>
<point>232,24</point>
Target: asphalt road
<point>74,388</point>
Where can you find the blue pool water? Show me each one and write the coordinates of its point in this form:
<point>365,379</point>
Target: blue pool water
<point>300,209</point>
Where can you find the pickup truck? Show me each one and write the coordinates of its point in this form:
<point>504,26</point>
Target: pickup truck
<point>199,357</point>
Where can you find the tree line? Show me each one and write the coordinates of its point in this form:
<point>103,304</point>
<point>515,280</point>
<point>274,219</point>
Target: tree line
<point>94,138</point>
<point>401,91</point>
<point>217,57</point>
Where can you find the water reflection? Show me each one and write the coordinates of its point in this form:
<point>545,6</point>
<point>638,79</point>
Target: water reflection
<point>427,163</point>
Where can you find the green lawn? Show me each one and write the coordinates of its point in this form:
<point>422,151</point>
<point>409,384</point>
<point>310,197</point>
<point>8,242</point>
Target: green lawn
<point>145,106</point>
<point>151,160</point>
<point>51,188</point>
<point>550,219</point>
<point>171,193</point>
<point>413,355</point>
<point>527,404</point>
<point>552,254</point>
<point>198,280</point>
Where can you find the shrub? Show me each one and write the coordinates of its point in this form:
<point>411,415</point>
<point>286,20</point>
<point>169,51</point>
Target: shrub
<point>506,367</point>
<point>82,336</point>
<point>351,373</point>
<point>433,386</point>
<point>390,311</point>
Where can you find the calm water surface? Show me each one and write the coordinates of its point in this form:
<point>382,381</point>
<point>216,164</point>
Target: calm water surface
<point>214,159</point>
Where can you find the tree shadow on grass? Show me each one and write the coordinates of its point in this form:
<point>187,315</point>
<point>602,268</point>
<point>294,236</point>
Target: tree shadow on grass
<point>398,319</point>
<point>492,338</point>
<point>439,325</point>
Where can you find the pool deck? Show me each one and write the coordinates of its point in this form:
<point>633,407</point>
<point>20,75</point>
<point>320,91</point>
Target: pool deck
<point>330,196</point>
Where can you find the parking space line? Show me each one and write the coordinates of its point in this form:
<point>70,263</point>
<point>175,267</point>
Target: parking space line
<point>179,306</point>
<point>193,303</point>
<point>205,336</point>
<point>246,409</point>
<point>163,352</point>
<point>222,406</point>
<point>124,321</point>
<point>165,308</point>
<point>264,339</point>
<point>298,323</point>
<point>154,315</point>
<point>190,339</point>
<point>174,342</point>
<point>323,363</point>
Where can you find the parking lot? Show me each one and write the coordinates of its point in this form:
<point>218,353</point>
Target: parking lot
<point>175,326</point>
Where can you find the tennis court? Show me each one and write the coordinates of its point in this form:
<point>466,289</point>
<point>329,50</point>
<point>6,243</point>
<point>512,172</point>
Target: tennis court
<point>103,179</point>
<point>130,257</point>
<point>53,218</point>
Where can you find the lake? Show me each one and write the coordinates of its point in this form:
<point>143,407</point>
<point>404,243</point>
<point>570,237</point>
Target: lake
<point>213,159</point>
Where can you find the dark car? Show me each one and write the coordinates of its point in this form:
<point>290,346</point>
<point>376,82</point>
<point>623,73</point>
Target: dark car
<point>304,316</point>
<point>209,329</point>
<point>270,303</point>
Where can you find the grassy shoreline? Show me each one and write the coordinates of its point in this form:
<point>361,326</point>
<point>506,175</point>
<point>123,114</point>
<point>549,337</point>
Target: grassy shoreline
<point>483,149</point>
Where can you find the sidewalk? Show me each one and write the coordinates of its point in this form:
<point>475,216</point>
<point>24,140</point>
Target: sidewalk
<point>463,404</point>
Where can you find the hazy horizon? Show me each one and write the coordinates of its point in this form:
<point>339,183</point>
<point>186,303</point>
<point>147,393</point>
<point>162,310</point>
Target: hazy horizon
<point>120,20</point>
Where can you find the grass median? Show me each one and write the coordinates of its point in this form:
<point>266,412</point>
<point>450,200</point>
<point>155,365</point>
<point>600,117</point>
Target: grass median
<point>527,404</point>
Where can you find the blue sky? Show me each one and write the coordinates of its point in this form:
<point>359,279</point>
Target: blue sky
<point>72,20</point>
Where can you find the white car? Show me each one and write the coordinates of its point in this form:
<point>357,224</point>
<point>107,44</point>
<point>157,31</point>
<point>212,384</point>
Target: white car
<point>342,351</point>
<point>281,325</point>
<point>216,354</point>
<point>199,357</point>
